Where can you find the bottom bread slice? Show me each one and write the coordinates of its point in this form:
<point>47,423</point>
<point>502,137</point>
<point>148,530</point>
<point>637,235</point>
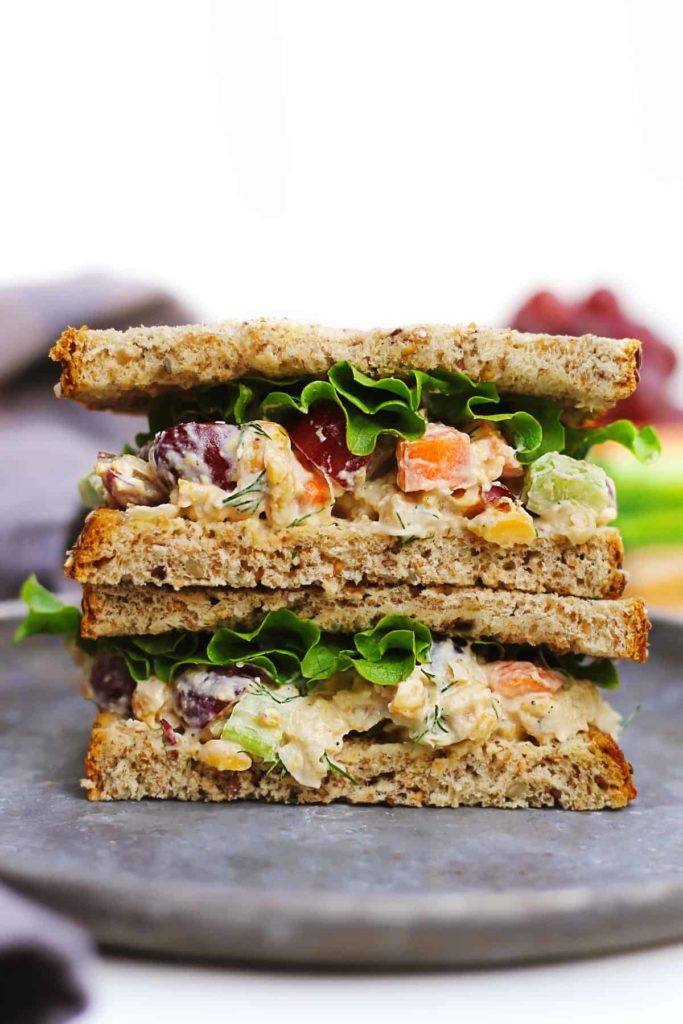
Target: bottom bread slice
<point>128,761</point>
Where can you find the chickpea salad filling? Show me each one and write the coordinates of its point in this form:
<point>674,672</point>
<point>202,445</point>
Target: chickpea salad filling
<point>287,695</point>
<point>407,457</point>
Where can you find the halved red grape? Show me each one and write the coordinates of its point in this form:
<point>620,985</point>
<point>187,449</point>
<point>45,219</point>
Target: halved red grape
<point>496,492</point>
<point>111,683</point>
<point>321,435</point>
<point>203,691</point>
<point>199,452</point>
<point>601,313</point>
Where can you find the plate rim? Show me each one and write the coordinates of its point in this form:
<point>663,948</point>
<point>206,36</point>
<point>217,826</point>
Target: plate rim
<point>361,928</point>
<point>370,930</point>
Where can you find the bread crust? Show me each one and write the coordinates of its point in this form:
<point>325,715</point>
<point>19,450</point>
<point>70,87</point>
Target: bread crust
<point>115,547</point>
<point>124,369</point>
<point>127,761</point>
<point>602,629</point>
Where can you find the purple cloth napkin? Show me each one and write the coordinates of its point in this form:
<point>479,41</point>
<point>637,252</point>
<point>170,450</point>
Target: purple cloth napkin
<point>44,960</point>
<point>46,445</point>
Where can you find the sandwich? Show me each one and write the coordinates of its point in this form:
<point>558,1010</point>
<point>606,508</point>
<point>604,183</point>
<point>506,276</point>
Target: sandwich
<point>363,566</point>
<point>393,464</point>
<point>228,696</point>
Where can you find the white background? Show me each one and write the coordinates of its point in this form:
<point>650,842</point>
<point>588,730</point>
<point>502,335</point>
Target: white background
<point>356,162</point>
<point>629,989</point>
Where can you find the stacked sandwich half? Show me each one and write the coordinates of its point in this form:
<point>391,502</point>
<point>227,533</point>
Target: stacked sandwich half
<point>342,565</point>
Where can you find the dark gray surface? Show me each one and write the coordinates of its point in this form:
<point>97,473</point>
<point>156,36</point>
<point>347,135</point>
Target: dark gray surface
<point>341,885</point>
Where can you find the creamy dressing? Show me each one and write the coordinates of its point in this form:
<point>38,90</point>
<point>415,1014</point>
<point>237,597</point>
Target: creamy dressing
<point>316,727</point>
<point>578,523</point>
<point>491,456</point>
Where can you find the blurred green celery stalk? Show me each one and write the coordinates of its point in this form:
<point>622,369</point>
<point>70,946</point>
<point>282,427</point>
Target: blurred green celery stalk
<point>649,500</point>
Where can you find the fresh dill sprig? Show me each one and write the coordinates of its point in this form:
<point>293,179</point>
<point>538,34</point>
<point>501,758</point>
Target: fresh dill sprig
<point>429,675</point>
<point>273,767</point>
<point>414,536</point>
<point>263,691</point>
<point>248,498</point>
<point>421,735</point>
<point>338,770</point>
<point>257,428</point>
<point>435,721</point>
<point>403,525</point>
<point>627,721</point>
<point>300,519</point>
<point>439,722</point>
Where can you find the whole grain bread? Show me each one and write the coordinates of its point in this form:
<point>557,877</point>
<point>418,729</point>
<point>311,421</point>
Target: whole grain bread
<point>116,547</point>
<point>603,629</point>
<point>128,761</point>
<point>123,370</point>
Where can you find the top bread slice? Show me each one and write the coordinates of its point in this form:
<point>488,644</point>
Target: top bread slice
<point>123,370</point>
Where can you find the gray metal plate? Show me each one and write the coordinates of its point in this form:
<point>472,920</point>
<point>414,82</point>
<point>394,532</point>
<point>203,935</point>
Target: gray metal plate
<point>341,885</point>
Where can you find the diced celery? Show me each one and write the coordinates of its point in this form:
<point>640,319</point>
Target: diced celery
<point>555,477</point>
<point>91,491</point>
<point>653,526</point>
<point>248,725</point>
<point>251,740</point>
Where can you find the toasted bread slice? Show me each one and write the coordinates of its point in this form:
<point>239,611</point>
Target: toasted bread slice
<point>118,547</point>
<point>603,629</point>
<point>128,761</point>
<point>122,370</point>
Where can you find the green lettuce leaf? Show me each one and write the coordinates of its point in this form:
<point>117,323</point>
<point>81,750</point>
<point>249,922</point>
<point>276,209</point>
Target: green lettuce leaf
<point>278,646</point>
<point>231,402</point>
<point>389,405</point>
<point>371,408</point>
<point>325,658</point>
<point>46,613</point>
<point>643,443</point>
<point>162,655</point>
<point>390,651</point>
<point>392,406</point>
<point>600,671</point>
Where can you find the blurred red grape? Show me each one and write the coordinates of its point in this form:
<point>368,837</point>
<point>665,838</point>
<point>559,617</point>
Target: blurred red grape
<point>601,313</point>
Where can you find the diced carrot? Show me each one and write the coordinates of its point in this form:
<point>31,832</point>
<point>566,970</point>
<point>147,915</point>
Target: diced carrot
<point>517,678</point>
<point>317,490</point>
<point>315,485</point>
<point>439,460</point>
